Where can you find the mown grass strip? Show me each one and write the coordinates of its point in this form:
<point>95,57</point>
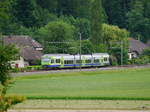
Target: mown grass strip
<point>80,73</point>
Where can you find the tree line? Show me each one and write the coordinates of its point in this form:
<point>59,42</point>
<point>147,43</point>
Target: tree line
<point>102,23</point>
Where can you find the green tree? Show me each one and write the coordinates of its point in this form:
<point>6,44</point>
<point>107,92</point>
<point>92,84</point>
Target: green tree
<point>43,16</point>
<point>24,12</point>
<point>82,8</point>
<point>116,11</point>
<point>76,8</point>
<point>115,38</point>
<point>82,25</point>
<point>56,31</point>
<point>50,5</point>
<point>87,47</point>
<point>5,16</point>
<point>96,24</point>
<point>146,8</point>
<point>139,21</point>
<point>8,53</point>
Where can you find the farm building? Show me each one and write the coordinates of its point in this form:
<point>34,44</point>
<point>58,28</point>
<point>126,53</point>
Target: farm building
<point>136,48</point>
<point>29,50</point>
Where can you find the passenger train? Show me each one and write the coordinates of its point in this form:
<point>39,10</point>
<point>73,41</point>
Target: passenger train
<point>74,61</point>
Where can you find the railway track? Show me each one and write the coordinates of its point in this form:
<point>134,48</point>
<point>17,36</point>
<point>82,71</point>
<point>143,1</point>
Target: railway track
<point>78,111</point>
<point>42,72</point>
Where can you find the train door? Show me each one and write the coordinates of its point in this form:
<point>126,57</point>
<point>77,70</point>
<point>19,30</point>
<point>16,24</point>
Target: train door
<point>62,62</point>
<point>102,61</point>
<point>83,61</point>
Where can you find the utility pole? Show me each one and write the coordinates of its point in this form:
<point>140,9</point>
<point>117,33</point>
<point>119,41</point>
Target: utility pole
<point>120,43</point>
<point>121,52</point>
<point>80,50</point>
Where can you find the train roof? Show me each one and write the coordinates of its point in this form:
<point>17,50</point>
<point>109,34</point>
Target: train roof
<point>100,54</point>
<point>68,56</point>
<point>56,54</point>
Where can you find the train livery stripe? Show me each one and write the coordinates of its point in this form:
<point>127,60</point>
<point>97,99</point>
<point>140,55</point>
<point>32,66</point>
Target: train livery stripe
<point>69,65</point>
<point>74,65</point>
<point>52,65</point>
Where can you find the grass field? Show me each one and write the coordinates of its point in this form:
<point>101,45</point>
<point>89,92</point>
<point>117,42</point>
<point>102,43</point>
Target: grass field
<point>133,84</point>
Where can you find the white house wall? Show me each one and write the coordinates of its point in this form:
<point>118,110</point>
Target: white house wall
<point>132,55</point>
<point>19,63</point>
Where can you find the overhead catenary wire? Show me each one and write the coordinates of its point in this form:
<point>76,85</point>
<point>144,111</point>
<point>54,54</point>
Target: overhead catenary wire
<point>57,42</point>
<point>68,42</point>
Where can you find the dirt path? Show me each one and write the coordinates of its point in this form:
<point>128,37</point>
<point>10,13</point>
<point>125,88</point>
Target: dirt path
<point>78,111</point>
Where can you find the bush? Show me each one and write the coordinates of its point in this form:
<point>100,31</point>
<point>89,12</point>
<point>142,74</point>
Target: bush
<point>140,60</point>
<point>15,70</point>
<point>16,99</point>
<point>37,67</point>
<point>7,102</point>
<point>147,52</point>
<point>35,62</point>
<point>28,68</point>
<point>113,60</point>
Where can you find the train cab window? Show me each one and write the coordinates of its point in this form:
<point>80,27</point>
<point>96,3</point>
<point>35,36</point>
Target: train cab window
<point>96,61</point>
<point>45,60</point>
<point>105,59</point>
<point>57,60</point>
<point>52,61</point>
<point>88,61</point>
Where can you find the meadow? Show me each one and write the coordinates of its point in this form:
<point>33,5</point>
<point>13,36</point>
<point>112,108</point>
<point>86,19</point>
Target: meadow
<point>127,84</point>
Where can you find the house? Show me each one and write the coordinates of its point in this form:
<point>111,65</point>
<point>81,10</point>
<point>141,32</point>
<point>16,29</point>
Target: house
<point>29,50</point>
<point>136,48</point>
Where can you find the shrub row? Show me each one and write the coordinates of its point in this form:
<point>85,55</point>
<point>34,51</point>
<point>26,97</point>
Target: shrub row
<point>85,98</point>
<point>140,60</point>
<point>28,68</point>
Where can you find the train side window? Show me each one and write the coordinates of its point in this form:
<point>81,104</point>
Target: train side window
<point>68,61</point>
<point>52,61</point>
<point>57,60</point>
<point>87,61</point>
<point>65,62</point>
<point>105,59</point>
<point>71,62</point>
<point>96,61</point>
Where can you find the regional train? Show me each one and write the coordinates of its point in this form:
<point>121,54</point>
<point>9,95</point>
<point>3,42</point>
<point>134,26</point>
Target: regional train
<point>75,61</point>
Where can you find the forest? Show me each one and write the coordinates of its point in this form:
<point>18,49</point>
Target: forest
<point>56,24</point>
